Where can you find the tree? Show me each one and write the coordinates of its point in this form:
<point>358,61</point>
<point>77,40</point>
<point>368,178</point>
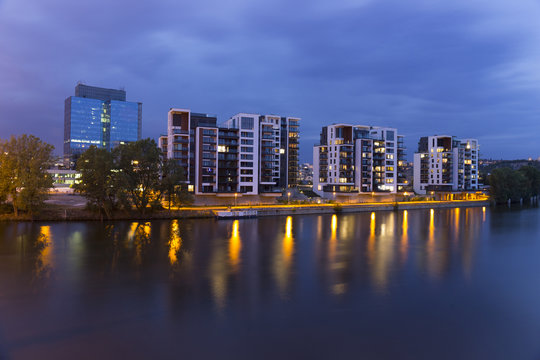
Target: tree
<point>172,183</point>
<point>138,177</point>
<point>24,161</point>
<point>507,184</point>
<point>97,179</point>
<point>532,176</point>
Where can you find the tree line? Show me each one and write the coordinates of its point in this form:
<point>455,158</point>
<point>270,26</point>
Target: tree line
<point>508,184</point>
<point>132,176</point>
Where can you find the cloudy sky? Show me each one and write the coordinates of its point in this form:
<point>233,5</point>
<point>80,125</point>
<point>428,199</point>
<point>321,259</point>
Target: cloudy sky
<point>466,68</point>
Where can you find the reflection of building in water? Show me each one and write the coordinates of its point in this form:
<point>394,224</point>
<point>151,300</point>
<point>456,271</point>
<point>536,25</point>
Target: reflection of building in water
<point>235,246</point>
<point>175,242</point>
<point>433,260</point>
<point>283,258</point>
<point>436,255</point>
<point>381,250</point>
<point>339,253</point>
<point>218,272</point>
<point>471,234</point>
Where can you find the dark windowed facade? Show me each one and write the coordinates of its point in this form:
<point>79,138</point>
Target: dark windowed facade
<point>100,117</point>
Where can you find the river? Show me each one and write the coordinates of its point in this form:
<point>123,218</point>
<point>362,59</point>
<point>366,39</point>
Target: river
<point>458,283</point>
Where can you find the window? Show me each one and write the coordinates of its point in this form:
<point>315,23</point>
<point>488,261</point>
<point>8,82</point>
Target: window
<point>246,123</point>
<point>246,163</point>
<point>247,134</point>
<point>246,157</point>
<point>246,148</point>
<point>247,142</point>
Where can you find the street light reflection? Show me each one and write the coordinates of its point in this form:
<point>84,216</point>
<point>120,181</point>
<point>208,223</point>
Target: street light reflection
<point>235,246</point>
<point>288,241</point>
<point>44,262</point>
<point>175,242</point>
<point>404,236</point>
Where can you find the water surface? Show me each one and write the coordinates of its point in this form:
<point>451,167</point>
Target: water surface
<point>439,284</point>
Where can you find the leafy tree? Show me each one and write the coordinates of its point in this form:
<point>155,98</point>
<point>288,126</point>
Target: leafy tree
<point>24,161</point>
<point>97,179</point>
<point>138,177</point>
<point>507,184</point>
<point>173,183</point>
<point>532,176</point>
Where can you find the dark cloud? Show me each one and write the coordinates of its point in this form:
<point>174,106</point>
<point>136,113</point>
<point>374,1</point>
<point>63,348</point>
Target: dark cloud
<point>424,67</point>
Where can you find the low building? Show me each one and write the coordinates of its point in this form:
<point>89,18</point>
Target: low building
<point>306,174</point>
<point>358,159</point>
<point>446,164</point>
<point>64,179</point>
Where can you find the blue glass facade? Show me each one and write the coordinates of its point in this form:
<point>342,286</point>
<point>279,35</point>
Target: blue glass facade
<point>100,122</point>
<point>124,125</point>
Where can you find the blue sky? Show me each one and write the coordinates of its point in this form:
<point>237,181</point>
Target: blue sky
<point>465,68</point>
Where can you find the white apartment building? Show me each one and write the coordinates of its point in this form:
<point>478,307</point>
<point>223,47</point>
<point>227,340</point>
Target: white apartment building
<point>248,140</point>
<point>356,159</point>
<point>446,164</point>
<point>248,154</point>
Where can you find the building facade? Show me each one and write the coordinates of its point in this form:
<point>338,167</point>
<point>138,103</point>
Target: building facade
<point>100,117</point>
<point>446,164</point>
<point>358,159</point>
<point>248,154</point>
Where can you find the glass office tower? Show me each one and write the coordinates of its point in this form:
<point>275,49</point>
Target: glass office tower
<point>100,117</point>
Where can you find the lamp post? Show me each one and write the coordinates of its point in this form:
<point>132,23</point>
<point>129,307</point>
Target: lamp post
<point>235,196</point>
<point>288,197</point>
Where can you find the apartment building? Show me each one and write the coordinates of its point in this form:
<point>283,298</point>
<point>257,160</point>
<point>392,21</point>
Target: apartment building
<point>356,159</point>
<point>248,154</point>
<point>446,164</point>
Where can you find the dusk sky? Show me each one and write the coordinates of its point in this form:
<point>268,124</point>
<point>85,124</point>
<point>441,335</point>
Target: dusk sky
<point>464,68</point>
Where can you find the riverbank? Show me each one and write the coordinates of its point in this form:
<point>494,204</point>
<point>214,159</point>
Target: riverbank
<point>55,212</point>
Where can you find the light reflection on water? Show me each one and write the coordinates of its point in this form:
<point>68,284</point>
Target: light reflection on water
<point>242,266</point>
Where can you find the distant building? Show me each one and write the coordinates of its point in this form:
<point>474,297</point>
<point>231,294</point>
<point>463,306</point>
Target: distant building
<point>306,174</point>
<point>445,164</point>
<point>64,178</point>
<point>100,117</point>
<point>248,154</point>
<point>356,159</point>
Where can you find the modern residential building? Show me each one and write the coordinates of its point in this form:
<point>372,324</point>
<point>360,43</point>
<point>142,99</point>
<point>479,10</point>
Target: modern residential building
<point>248,154</point>
<point>100,117</point>
<point>358,159</point>
<point>445,164</point>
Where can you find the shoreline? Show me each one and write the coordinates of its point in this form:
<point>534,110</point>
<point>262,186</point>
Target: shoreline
<point>77,214</point>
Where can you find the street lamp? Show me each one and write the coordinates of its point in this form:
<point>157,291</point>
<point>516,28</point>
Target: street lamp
<point>235,196</point>
<point>288,197</point>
